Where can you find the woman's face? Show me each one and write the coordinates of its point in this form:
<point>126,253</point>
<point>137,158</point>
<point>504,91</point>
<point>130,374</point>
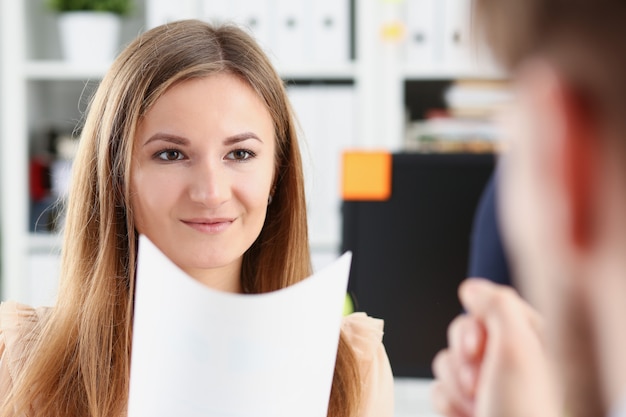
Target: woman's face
<point>201,174</point>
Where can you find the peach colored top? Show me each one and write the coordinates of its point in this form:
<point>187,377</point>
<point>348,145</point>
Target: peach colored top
<point>364,334</point>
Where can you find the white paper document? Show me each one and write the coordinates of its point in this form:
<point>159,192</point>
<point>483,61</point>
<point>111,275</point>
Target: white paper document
<point>201,352</point>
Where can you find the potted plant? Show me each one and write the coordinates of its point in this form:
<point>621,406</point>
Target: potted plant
<point>89,29</point>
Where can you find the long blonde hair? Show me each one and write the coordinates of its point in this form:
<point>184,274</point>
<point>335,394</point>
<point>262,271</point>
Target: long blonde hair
<point>80,360</point>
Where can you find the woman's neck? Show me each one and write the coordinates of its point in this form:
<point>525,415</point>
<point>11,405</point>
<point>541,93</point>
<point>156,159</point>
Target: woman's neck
<point>226,278</point>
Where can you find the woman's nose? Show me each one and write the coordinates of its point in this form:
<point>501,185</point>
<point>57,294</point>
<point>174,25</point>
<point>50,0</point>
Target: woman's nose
<point>210,185</point>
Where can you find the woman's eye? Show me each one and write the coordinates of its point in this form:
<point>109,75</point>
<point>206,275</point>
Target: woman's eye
<point>240,155</point>
<point>170,155</point>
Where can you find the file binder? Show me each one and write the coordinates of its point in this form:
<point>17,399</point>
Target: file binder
<point>216,11</point>
<point>290,44</point>
<point>255,16</point>
<point>421,19</point>
<point>331,31</point>
<point>456,50</point>
<point>327,119</point>
<point>159,12</point>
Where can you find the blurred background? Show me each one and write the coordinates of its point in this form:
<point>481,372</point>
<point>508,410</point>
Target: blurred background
<point>397,89</point>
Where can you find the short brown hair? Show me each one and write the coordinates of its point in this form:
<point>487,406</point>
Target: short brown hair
<point>585,39</point>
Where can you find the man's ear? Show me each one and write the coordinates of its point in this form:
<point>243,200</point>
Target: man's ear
<point>570,129</point>
<point>581,158</point>
<point>579,148</point>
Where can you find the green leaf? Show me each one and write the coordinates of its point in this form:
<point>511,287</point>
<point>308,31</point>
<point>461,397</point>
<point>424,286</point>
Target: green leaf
<point>120,7</point>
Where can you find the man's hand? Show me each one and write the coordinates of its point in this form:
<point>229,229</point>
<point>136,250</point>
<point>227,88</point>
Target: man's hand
<point>495,364</point>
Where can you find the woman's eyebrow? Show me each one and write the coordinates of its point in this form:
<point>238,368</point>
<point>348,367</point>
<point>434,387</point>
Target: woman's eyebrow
<point>240,137</point>
<point>166,137</point>
<point>179,140</point>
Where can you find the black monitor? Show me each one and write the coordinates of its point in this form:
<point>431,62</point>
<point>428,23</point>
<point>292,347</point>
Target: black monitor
<point>410,252</point>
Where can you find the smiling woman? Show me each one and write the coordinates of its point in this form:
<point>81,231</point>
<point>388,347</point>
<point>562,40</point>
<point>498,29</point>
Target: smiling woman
<point>202,175</point>
<point>190,140</point>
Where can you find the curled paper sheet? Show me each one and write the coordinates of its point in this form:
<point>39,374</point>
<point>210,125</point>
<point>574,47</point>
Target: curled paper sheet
<point>201,352</point>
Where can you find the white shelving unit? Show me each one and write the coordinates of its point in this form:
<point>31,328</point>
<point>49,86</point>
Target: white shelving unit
<point>58,70</point>
<point>30,71</point>
<point>377,76</point>
<point>29,260</point>
<point>14,136</point>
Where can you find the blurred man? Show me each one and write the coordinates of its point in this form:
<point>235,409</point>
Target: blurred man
<point>487,258</point>
<point>563,207</point>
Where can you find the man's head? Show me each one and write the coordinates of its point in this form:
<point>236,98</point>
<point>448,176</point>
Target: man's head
<point>563,186</point>
<point>584,39</point>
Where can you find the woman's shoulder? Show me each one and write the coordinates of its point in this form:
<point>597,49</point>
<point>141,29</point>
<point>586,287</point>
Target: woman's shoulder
<point>364,334</point>
<point>17,317</point>
<point>16,324</point>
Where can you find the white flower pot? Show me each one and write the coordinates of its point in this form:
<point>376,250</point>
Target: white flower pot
<point>89,37</point>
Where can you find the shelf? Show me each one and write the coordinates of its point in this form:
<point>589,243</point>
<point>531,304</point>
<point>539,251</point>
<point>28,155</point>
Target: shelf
<point>56,70</point>
<point>44,243</point>
<point>418,73</point>
<point>60,70</point>
<point>312,72</point>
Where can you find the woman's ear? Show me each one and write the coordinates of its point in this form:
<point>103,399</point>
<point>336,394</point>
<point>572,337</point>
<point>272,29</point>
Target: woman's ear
<point>270,198</point>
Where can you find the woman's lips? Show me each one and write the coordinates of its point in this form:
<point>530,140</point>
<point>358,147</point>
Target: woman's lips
<point>209,225</point>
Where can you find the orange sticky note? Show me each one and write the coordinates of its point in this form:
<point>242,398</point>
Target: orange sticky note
<point>366,176</point>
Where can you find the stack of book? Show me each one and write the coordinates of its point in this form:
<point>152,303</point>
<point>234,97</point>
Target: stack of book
<point>467,124</point>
